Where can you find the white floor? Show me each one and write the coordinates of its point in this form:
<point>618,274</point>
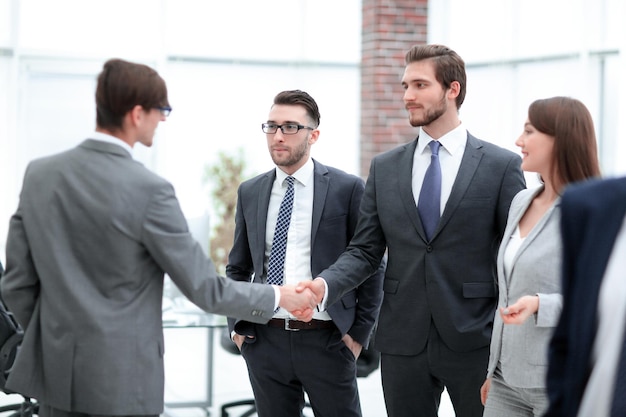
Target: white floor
<point>186,380</point>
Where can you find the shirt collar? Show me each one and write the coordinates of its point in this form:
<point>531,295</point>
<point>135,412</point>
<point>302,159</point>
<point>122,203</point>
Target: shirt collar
<point>303,175</point>
<point>103,137</point>
<point>452,142</point>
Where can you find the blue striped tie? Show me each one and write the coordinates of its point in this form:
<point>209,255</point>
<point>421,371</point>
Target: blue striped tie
<point>276,264</point>
<point>429,202</point>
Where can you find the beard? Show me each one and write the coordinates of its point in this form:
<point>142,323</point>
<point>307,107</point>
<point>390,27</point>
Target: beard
<point>293,157</point>
<point>431,114</point>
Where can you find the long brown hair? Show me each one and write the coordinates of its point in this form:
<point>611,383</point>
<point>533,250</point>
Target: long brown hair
<point>568,121</point>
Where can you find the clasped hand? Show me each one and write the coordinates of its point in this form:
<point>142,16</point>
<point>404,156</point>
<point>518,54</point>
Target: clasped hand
<point>301,301</point>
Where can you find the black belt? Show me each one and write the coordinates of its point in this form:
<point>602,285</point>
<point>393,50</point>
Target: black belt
<point>289,324</point>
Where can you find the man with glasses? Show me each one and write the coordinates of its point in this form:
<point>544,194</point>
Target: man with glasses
<point>87,250</point>
<point>291,223</point>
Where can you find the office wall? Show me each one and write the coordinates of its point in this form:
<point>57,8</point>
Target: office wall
<point>223,63</point>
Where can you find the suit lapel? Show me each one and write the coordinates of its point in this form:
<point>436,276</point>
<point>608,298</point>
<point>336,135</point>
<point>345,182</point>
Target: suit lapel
<point>469,164</point>
<point>513,222</point>
<point>265,190</point>
<point>321,182</point>
<point>405,187</point>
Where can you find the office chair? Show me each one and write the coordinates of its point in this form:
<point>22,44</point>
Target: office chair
<point>10,339</point>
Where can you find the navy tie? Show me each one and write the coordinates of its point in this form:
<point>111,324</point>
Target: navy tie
<point>428,204</point>
<point>618,407</point>
<point>276,263</point>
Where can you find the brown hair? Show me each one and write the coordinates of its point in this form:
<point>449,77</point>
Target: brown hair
<point>123,85</point>
<point>575,153</point>
<point>300,98</point>
<point>449,66</point>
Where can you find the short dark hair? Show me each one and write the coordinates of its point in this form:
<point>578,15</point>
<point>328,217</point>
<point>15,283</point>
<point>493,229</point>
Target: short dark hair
<point>123,85</point>
<point>568,121</point>
<point>301,98</point>
<point>449,66</point>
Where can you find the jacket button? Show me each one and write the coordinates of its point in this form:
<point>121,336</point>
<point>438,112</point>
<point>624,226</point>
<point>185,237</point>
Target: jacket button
<point>429,248</point>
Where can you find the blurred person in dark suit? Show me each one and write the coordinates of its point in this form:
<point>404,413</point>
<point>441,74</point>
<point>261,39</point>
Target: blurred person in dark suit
<point>587,353</point>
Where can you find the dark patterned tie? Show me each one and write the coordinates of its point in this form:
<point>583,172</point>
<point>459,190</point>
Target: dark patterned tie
<point>428,204</point>
<point>276,263</point>
<point>618,407</point>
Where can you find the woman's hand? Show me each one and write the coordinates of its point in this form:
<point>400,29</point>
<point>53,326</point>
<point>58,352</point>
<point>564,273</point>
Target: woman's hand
<point>518,313</point>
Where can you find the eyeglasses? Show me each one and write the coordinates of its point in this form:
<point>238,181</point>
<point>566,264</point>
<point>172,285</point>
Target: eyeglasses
<point>165,110</point>
<point>287,128</point>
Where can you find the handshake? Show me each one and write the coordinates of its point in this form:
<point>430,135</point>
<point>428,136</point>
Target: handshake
<point>302,300</point>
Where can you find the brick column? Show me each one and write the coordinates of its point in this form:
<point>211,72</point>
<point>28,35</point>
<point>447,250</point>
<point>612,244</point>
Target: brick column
<point>390,28</point>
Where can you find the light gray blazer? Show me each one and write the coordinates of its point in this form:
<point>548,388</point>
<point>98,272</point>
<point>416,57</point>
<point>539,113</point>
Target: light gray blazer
<point>522,349</point>
<point>87,250</point>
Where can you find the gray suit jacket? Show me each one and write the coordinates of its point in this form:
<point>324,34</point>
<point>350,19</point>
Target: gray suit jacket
<point>87,250</point>
<point>449,280</point>
<point>336,200</point>
<point>523,349</point>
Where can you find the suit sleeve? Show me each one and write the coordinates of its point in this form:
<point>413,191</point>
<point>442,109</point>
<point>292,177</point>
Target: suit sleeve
<point>167,238</point>
<point>240,266</point>
<point>370,293</point>
<point>512,183</point>
<point>558,348</point>
<point>20,282</point>
<point>364,254</point>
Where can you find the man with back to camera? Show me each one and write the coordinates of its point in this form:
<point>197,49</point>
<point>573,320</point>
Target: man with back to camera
<point>439,206</point>
<point>87,249</point>
<point>286,357</point>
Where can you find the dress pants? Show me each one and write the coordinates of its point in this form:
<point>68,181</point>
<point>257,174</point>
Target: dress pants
<point>506,400</point>
<point>283,364</point>
<point>412,385</point>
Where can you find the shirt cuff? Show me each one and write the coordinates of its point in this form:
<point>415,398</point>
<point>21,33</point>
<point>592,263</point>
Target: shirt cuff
<point>276,296</point>
<point>322,306</point>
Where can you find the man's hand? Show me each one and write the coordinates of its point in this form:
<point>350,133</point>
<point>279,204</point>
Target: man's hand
<point>301,303</point>
<point>484,391</point>
<point>518,313</point>
<point>317,286</point>
<point>238,339</point>
<point>353,345</point>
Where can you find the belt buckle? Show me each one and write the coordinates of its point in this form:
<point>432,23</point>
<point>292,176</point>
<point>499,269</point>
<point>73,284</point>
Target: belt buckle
<point>287,320</point>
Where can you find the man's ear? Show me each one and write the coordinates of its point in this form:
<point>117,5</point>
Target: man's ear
<point>136,115</point>
<point>315,134</point>
<point>454,90</point>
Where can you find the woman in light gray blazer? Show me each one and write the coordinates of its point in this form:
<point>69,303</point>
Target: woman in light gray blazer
<point>559,143</point>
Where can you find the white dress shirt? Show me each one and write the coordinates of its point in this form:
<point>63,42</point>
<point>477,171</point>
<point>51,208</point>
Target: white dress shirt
<point>298,255</point>
<point>605,356</point>
<point>450,156</point>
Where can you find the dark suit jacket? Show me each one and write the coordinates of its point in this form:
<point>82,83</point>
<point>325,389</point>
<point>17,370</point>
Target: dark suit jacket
<point>87,250</point>
<point>591,216</point>
<point>452,277</point>
<point>336,200</point>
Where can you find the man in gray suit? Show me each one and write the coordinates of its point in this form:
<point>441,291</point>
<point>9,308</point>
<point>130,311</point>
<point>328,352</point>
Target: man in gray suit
<point>87,250</point>
<point>441,219</point>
